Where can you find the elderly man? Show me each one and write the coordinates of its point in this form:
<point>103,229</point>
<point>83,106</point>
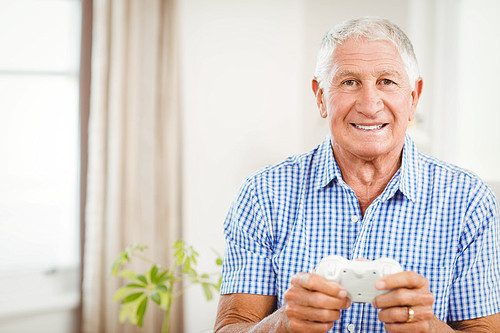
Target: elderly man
<point>365,192</point>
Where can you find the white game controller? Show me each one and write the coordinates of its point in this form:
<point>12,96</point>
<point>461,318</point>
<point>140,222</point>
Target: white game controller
<point>356,276</point>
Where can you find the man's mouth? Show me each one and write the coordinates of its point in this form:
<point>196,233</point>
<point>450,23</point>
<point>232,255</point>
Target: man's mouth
<point>369,127</point>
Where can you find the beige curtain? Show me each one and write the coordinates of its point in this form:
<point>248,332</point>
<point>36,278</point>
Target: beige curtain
<point>133,190</point>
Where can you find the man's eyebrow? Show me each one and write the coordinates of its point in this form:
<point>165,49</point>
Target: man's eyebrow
<point>345,72</point>
<point>348,72</point>
<point>389,72</point>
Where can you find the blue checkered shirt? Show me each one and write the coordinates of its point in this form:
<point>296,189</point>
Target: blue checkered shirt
<point>433,218</point>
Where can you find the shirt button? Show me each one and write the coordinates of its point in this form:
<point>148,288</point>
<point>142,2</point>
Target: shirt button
<point>351,327</point>
<point>354,218</point>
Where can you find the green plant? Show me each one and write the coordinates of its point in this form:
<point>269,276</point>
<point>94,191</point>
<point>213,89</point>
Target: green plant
<point>157,283</point>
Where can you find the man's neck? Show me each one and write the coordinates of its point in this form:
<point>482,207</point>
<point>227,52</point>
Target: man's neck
<point>367,177</point>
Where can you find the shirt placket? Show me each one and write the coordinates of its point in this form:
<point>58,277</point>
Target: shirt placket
<point>361,248</point>
<point>352,217</point>
<point>353,318</point>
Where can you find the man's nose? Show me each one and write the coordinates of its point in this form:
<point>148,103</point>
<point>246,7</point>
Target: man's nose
<point>369,101</point>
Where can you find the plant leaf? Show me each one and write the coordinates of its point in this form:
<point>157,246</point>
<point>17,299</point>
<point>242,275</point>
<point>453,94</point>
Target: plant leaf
<point>153,274</point>
<point>178,244</point>
<point>116,266</point>
<point>132,297</point>
<point>135,285</point>
<point>123,258</point>
<point>141,247</point>
<point>128,274</point>
<point>157,282</point>
<point>162,288</point>
<point>179,257</point>
<point>142,278</point>
<point>127,311</point>
<point>192,274</point>
<point>166,275</point>
<point>207,290</point>
<point>120,293</point>
<point>187,265</point>
<point>156,297</point>
<point>164,279</point>
<point>193,259</point>
<point>141,309</point>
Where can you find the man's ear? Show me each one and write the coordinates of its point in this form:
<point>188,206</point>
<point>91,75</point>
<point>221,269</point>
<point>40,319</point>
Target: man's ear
<point>318,92</point>
<point>415,94</point>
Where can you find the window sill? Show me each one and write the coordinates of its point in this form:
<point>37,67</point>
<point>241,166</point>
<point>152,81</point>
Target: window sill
<point>28,292</point>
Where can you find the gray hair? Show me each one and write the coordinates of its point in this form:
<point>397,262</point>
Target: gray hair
<point>371,28</point>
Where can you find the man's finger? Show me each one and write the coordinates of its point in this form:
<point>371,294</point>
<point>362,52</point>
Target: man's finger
<point>308,326</point>
<point>403,297</point>
<point>315,282</point>
<point>315,299</point>
<point>409,280</point>
<point>401,314</point>
<point>312,314</point>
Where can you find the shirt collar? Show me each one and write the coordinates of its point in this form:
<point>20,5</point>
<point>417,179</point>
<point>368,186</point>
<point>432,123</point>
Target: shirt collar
<point>405,179</point>
<point>409,171</point>
<point>328,168</point>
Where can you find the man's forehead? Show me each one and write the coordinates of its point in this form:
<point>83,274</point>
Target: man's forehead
<point>364,45</point>
<point>363,48</point>
<point>354,56</point>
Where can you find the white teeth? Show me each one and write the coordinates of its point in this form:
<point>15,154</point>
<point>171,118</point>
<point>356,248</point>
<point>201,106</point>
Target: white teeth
<point>373,127</point>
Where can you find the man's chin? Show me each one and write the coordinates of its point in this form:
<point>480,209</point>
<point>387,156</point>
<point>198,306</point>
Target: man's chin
<point>371,151</point>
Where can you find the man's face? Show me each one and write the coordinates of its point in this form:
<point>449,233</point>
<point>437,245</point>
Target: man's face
<point>368,99</point>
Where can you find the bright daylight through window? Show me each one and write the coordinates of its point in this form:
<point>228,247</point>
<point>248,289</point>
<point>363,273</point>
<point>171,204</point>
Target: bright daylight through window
<point>39,134</point>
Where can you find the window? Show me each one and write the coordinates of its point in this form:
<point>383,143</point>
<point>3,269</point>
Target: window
<point>39,132</point>
<point>39,143</point>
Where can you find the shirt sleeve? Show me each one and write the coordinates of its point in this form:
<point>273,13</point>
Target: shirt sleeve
<point>476,286</point>
<point>247,266</point>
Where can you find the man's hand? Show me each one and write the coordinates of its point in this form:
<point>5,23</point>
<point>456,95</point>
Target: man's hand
<point>313,303</point>
<point>409,291</point>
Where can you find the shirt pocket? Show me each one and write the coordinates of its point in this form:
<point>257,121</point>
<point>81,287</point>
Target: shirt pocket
<point>440,280</point>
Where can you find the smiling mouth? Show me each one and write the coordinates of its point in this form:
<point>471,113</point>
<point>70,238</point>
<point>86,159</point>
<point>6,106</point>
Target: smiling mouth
<point>369,127</point>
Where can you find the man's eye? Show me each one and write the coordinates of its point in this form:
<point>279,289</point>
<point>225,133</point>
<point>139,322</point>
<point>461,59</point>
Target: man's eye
<point>349,82</point>
<point>387,82</point>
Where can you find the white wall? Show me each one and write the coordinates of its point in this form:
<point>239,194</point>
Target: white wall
<point>478,112</point>
<point>458,48</point>
<point>241,65</point>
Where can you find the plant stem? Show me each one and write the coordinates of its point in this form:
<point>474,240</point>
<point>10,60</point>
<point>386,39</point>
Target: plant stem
<point>166,319</point>
<point>180,292</point>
